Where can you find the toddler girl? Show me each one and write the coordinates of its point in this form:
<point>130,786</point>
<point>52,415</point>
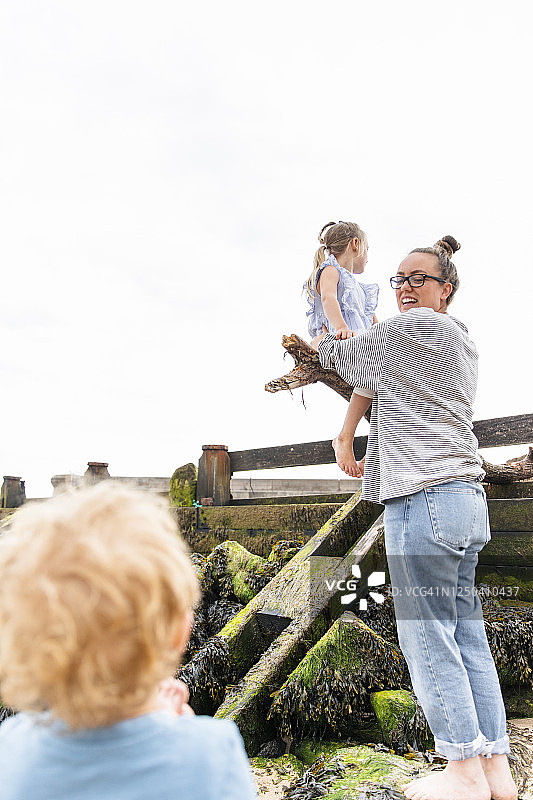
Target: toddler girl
<point>338,302</point>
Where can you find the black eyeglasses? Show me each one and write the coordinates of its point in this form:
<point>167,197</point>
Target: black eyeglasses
<point>414,281</point>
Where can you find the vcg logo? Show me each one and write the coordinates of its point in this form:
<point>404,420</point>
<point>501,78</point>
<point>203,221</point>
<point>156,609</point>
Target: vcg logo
<point>350,586</point>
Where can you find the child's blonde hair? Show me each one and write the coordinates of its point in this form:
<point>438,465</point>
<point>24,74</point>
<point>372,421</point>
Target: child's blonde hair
<point>96,585</point>
<point>335,237</point>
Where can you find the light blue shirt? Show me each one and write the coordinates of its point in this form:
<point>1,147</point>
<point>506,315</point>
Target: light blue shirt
<point>357,301</point>
<point>156,756</point>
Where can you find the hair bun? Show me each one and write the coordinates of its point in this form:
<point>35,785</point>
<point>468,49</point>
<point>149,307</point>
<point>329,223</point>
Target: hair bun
<point>449,245</point>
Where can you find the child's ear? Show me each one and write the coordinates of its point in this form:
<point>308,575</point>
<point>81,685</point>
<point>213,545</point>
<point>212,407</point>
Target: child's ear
<point>181,637</point>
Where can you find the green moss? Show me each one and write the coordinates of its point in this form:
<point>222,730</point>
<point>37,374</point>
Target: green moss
<point>509,549</point>
<point>247,704</point>
<point>401,720</point>
<point>308,750</point>
<point>6,517</point>
<point>328,690</point>
<point>238,572</point>
<point>511,587</point>
<point>281,518</point>
<point>285,764</point>
<point>338,499</point>
<point>363,766</point>
<point>391,707</point>
<point>343,647</point>
<point>511,514</point>
<point>182,490</point>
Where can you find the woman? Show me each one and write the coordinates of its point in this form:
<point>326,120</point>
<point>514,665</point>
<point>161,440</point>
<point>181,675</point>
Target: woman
<point>418,370</point>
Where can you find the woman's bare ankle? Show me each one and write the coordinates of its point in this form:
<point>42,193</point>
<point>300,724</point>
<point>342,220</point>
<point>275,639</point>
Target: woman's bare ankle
<point>499,777</point>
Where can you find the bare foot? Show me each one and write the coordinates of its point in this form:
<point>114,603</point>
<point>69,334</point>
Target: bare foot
<point>460,780</point>
<point>499,777</point>
<point>344,456</point>
<point>315,341</point>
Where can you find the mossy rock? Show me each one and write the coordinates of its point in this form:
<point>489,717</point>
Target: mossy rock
<point>237,573</point>
<point>401,720</point>
<point>283,550</point>
<point>309,750</point>
<point>328,692</point>
<point>182,491</point>
<point>345,771</point>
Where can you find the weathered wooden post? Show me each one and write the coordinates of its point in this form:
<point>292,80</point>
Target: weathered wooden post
<point>96,471</point>
<point>13,493</point>
<point>214,473</point>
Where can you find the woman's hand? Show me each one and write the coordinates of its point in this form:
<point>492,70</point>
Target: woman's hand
<point>174,696</point>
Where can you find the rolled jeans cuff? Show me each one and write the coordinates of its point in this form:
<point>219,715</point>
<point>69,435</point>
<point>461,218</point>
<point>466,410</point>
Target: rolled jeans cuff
<point>497,748</point>
<point>459,751</point>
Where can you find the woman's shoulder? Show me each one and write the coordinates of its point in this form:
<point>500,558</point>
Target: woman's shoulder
<point>432,326</point>
<point>421,316</point>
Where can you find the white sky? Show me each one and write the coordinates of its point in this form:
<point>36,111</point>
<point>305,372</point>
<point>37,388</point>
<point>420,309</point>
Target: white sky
<point>165,170</point>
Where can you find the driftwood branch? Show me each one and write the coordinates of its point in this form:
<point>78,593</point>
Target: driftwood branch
<point>307,369</point>
<point>516,469</point>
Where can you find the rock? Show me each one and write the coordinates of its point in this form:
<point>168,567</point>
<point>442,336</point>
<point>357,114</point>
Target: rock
<point>401,720</point>
<point>283,551</point>
<point>182,491</point>
<point>328,692</point>
<point>236,573</point>
<point>344,771</point>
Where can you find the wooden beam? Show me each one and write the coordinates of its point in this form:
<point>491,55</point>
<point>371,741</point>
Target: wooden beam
<point>490,433</point>
<point>290,455</point>
<point>504,431</point>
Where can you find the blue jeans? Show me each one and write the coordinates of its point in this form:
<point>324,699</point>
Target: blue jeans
<point>432,540</point>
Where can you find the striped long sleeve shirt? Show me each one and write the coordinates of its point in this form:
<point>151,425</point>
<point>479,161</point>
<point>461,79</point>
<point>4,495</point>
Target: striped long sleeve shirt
<point>420,369</point>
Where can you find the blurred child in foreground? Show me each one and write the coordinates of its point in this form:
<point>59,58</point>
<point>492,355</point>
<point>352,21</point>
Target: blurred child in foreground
<point>95,611</point>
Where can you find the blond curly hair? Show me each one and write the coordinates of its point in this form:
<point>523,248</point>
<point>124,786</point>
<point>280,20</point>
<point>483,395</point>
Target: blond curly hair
<point>96,587</point>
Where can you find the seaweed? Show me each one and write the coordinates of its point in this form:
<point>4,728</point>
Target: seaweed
<point>329,691</point>
<point>316,778</point>
<point>207,674</point>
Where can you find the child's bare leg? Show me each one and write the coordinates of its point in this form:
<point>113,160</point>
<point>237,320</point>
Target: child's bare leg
<point>343,443</point>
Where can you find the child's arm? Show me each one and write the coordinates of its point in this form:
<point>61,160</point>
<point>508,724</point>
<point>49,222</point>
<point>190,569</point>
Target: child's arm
<point>327,288</point>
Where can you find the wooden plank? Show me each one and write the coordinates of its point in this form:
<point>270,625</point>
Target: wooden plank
<point>490,433</point>
<point>290,455</point>
<point>504,430</point>
<point>508,548</point>
<point>511,515</point>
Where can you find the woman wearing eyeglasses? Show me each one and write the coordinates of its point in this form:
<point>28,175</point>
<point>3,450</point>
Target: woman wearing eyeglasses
<point>418,371</point>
